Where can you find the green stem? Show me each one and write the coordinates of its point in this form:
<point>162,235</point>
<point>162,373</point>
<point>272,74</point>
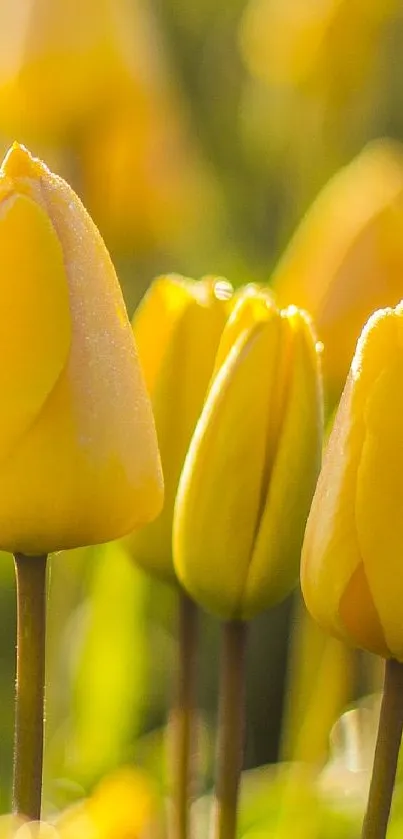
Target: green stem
<point>386,753</point>
<point>231,724</point>
<point>29,709</point>
<point>183,719</point>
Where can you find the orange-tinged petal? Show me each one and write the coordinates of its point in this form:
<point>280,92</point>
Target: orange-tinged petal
<point>219,496</point>
<point>36,325</point>
<point>346,257</point>
<point>358,615</point>
<point>331,551</point>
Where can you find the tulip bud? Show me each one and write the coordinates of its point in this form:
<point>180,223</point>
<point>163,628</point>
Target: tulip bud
<point>346,258</point>
<point>78,454</point>
<point>351,569</point>
<point>251,468</point>
<point>177,328</point>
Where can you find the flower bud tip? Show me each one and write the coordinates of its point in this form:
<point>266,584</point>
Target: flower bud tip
<point>19,163</point>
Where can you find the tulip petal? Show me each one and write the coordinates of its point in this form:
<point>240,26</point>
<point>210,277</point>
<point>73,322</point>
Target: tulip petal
<point>252,304</point>
<point>36,326</point>
<point>359,617</point>
<point>331,551</point>
<point>380,487</point>
<point>155,320</point>
<point>219,496</point>
<point>276,557</point>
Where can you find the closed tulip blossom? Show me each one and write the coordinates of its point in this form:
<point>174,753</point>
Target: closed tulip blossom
<point>177,328</point>
<point>351,569</point>
<point>79,461</point>
<point>251,468</point>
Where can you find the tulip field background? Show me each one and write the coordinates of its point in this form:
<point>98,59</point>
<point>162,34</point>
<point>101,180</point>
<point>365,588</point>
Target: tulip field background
<point>198,134</point>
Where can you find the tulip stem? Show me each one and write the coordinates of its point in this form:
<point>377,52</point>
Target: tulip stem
<point>386,753</point>
<point>183,719</point>
<point>29,708</point>
<point>231,725</point>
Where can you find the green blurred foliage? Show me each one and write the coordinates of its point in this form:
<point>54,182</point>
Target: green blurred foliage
<point>110,668</point>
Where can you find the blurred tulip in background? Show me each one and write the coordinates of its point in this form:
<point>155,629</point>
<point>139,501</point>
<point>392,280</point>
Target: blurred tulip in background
<point>91,85</point>
<point>144,179</point>
<point>346,258</point>
<point>321,73</point>
<point>61,64</point>
<point>123,804</point>
<point>313,45</point>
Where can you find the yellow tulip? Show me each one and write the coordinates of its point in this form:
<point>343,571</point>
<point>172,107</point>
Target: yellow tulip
<point>177,328</point>
<point>78,454</point>
<point>61,63</point>
<point>351,570</point>
<point>251,468</point>
<point>346,258</point>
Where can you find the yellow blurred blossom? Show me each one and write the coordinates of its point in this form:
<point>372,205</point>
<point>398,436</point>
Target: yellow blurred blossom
<point>346,258</point>
<point>143,179</point>
<point>124,805</point>
<point>61,63</point>
<point>318,44</point>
